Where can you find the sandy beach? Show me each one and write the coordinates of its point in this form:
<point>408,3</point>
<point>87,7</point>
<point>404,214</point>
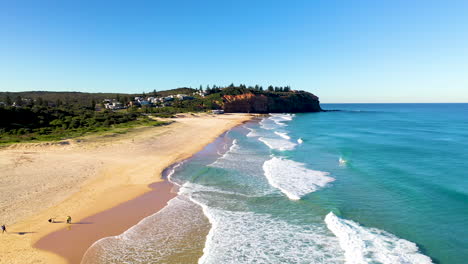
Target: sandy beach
<point>88,176</point>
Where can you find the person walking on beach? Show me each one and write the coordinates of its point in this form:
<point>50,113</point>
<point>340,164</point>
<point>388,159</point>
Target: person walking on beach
<point>69,220</point>
<point>3,229</point>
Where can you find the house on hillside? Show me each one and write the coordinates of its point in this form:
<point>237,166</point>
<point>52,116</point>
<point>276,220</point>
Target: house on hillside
<point>184,97</point>
<point>145,103</point>
<point>114,105</point>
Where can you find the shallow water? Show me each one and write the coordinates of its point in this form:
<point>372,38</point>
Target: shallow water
<point>393,176</point>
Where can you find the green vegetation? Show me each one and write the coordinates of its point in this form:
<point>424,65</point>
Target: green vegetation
<point>39,116</point>
<point>38,123</point>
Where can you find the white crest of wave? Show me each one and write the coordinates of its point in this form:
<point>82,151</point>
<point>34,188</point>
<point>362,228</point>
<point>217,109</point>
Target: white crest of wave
<point>233,148</point>
<point>283,135</point>
<point>278,144</point>
<point>252,132</point>
<point>267,125</point>
<point>293,178</point>
<point>284,117</point>
<point>372,245</point>
<point>246,237</point>
<point>280,118</point>
<point>300,141</point>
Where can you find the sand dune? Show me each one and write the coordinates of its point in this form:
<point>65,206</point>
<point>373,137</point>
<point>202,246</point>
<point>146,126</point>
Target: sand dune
<point>81,177</point>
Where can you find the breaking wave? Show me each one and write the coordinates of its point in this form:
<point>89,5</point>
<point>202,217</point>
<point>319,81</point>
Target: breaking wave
<point>372,245</point>
<point>283,135</point>
<point>278,144</point>
<point>248,237</point>
<point>293,178</point>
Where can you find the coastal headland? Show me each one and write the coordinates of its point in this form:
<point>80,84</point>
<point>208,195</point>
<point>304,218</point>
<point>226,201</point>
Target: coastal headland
<point>85,177</point>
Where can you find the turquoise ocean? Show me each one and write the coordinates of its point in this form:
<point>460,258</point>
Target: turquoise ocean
<point>371,183</point>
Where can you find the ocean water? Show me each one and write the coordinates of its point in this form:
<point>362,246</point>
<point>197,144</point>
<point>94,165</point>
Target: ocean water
<point>373,183</point>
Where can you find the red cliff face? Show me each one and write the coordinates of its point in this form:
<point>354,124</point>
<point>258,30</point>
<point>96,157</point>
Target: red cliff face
<point>292,102</point>
<point>245,103</point>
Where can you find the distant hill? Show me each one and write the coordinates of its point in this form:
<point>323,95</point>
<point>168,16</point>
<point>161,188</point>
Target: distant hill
<point>85,98</point>
<point>231,99</point>
<point>182,90</point>
<point>65,97</point>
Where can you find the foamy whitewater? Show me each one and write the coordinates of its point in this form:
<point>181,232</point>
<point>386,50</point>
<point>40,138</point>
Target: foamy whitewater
<point>334,187</point>
<point>292,178</point>
<point>371,245</point>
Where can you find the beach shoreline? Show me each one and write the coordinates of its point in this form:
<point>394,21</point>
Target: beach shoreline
<point>71,242</point>
<point>136,161</point>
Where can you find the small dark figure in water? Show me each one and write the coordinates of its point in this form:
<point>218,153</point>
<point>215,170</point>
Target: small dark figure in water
<point>69,220</point>
<point>51,220</point>
<point>3,229</point>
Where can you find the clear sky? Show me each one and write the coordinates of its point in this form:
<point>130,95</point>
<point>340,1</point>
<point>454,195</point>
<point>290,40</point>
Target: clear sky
<point>342,51</point>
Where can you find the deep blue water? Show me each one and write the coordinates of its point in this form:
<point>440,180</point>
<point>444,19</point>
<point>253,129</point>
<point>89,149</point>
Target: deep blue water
<point>373,183</point>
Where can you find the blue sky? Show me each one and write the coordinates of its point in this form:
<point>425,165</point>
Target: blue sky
<point>342,51</point>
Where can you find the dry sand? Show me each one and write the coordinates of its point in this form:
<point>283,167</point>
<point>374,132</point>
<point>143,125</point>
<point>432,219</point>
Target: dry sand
<point>82,177</point>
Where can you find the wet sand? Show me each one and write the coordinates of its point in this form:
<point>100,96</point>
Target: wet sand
<point>72,241</point>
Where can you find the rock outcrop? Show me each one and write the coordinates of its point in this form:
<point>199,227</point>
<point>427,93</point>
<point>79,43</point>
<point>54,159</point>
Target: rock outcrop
<point>290,102</point>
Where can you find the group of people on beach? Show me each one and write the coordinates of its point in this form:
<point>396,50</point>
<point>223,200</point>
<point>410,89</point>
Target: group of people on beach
<point>51,220</point>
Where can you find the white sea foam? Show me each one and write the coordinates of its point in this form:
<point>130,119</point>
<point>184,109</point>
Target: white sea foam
<point>278,144</point>
<point>371,245</point>
<point>300,141</point>
<point>283,135</point>
<point>279,122</point>
<point>280,118</point>
<point>284,117</point>
<point>173,169</point>
<point>252,132</point>
<point>159,238</point>
<point>247,237</point>
<point>267,124</point>
<point>275,121</point>
<point>293,178</point>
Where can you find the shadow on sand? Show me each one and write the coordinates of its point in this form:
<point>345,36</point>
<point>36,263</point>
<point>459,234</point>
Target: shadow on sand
<point>81,223</point>
<point>22,233</point>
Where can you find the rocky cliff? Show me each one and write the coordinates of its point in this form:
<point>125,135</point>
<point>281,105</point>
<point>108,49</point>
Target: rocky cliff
<point>290,102</point>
